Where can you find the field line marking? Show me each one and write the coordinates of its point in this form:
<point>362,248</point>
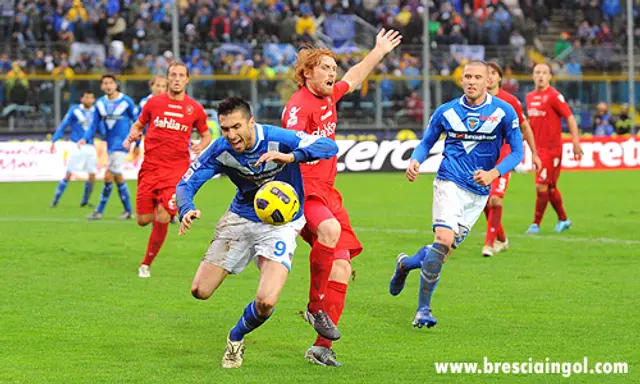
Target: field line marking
<point>408,231</point>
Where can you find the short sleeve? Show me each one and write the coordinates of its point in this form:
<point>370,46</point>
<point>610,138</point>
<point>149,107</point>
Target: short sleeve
<point>339,89</point>
<point>560,105</point>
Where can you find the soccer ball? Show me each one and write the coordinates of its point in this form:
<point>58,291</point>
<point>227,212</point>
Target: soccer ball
<point>276,203</point>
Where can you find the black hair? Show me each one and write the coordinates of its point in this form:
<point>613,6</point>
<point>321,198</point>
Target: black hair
<point>109,76</point>
<point>232,104</point>
<point>87,92</point>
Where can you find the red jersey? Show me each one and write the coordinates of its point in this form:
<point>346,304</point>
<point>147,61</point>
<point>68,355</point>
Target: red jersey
<point>545,110</point>
<point>515,103</point>
<point>315,116</point>
<point>171,123</point>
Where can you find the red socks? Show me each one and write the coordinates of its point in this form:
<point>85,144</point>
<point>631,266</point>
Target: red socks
<point>541,206</point>
<point>494,222</point>
<point>556,201</point>
<point>333,305</point>
<point>321,262</point>
<point>156,239</point>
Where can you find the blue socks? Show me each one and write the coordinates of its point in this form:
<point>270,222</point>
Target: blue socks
<point>430,273</point>
<point>249,321</point>
<point>60,190</point>
<point>123,190</point>
<point>88,188</point>
<point>106,192</point>
<point>415,261</point>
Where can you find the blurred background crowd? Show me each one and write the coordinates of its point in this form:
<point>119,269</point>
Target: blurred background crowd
<point>259,39</point>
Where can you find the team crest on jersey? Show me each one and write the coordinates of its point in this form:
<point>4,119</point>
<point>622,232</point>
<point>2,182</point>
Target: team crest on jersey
<point>473,123</point>
<point>189,109</point>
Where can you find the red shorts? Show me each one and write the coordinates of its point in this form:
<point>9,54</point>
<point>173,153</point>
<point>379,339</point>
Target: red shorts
<point>499,185</point>
<point>549,173</point>
<point>322,203</point>
<point>155,190</point>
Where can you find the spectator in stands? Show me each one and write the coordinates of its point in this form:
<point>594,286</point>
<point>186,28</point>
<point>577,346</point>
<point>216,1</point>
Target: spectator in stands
<point>610,9</point>
<point>510,83</point>
<point>64,70</point>
<point>592,13</point>
<point>112,63</point>
<point>5,64</point>
<point>17,85</point>
<point>541,16</point>
<point>602,121</point>
<point>220,27</point>
<point>624,124</point>
<point>602,127</point>
<point>563,45</point>
<point>306,23</point>
<point>517,42</point>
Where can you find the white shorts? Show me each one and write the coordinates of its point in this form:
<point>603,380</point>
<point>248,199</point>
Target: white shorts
<point>238,241</point>
<point>116,162</point>
<point>456,208</point>
<point>82,159</point>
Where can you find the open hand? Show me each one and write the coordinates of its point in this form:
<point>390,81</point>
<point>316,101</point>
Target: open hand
<point>386,41</point>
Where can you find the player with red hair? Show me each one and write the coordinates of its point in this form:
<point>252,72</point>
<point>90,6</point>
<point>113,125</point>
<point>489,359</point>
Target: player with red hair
<point>328,231</point>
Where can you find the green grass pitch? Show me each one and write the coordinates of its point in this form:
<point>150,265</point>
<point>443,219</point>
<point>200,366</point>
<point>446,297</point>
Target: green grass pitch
<point>74,311</point>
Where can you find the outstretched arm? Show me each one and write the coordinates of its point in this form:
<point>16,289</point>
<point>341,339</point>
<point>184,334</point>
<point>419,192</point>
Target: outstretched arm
<point>385,43</point>
<point>302,148</point>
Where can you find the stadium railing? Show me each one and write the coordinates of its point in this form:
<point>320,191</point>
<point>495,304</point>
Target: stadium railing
<point>382,103</point>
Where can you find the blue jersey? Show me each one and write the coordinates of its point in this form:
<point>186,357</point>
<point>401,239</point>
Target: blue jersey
<point>141,105</point>
<point>113,119</point>
<point>220,157</point>
<point>473,138</point>
<point>80,120</point>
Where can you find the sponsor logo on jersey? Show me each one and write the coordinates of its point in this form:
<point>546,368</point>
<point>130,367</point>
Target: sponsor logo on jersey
<point>534,112</point>
<point>470,136</point>
<point>326,116</point>
<point>326,130</point>
<point>169,123</point>
<point>173,114</point>
<point>174,106</point>
<point>293,116</point>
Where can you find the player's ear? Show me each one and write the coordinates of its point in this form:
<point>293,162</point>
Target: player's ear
<point>252,121</point>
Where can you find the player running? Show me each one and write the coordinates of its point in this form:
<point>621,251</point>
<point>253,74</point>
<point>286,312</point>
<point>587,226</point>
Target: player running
<point>114,113</point>
<point>496,239</point>
<point>475,127</point>
<point>250,154</point>
<point>328,231</point>
<point>171,117</point>
<point>83,158</point>
<point>158,85</point>
<point>545,107</point>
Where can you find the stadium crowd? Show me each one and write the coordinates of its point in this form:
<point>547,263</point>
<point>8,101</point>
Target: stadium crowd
<point>230,36</point>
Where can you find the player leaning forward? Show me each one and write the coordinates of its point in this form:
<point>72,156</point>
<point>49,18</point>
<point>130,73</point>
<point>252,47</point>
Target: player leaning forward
<point>475,126</point>
<point>328,231</point>
<point>250,155</point>
<point>171,117</point>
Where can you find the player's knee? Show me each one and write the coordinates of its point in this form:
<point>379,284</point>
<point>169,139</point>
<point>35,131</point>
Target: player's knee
<point>162,216</point>
<point>329,232</point>
<point>265,305</point>
<point>340,271</point>
<point>495,202</point>
<point>144,220</point>
<point>445,238</point>
<point>199,293</point>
